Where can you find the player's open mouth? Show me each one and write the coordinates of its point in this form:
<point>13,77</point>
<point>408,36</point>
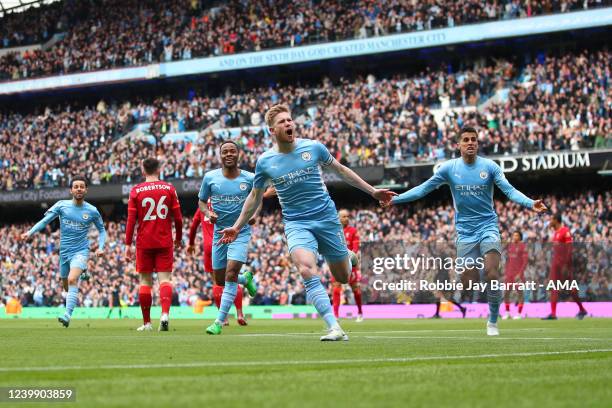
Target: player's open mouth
<point>289,132</point>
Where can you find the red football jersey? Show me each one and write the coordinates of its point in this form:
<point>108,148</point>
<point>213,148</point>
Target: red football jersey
<point>517,258</point>
<point>562,245</point>
<point>152,204</point>
<point>352,238</point>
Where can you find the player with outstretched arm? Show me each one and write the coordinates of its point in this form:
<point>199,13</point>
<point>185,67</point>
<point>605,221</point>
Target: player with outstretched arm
<point>309,214</point>
<point>76,217</point>
<point>471,179</point>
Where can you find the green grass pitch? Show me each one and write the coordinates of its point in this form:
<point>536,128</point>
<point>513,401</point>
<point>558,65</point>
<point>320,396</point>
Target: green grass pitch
<point>409,363</point>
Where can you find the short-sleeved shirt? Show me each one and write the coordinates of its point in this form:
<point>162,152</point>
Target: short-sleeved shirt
<point>227,196</point>
<point>154,202</point>
<point>298,180</point>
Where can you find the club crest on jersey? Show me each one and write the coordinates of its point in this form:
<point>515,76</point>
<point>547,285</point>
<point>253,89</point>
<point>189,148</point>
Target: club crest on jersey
<point>306,156</point>
<point>484,175</point>
<point>85,216</point>
<point>243,186</point>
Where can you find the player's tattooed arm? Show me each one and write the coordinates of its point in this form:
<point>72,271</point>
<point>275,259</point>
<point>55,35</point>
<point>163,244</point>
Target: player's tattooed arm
<point>352,178</point>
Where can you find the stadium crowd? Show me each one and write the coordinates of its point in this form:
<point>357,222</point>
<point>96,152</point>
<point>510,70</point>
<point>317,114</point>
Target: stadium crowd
<point>554,103</point>
<point>29,271</point>
<point>121,33</point>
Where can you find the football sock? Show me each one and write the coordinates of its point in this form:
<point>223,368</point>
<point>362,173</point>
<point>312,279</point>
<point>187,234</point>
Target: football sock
<point>520,308</point>
<point>507,307</point>
<point>217,292</point>
<point>576,298</point>
<point>71,300</point>
<point>316,295</point>
<point>357,294</point>
<point>165,296</point>
<point>145,300</point>
<point>238,300</point>
<point>227,298</point>
<point>493,298</point>
<point>241,279</point>
<point>336,293</point>
<point>437,307</point>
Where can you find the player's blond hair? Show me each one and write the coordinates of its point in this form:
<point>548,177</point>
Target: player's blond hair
<point>274,111</point>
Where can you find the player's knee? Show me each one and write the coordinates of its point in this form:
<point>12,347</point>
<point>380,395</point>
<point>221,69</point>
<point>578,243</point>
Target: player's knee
<point>306,270</point>
<point>72,280</point>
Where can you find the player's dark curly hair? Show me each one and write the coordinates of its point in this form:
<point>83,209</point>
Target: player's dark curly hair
<point>226,141</point>
<point>78,178</point>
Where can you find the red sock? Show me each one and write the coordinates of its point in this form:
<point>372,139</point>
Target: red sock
<point>576,298</point>
<point>337,291</point>
<point>165,296</point>
<point>508,307</point>
<point>554,296</point>
<point>238,300</point>
<point>217,292</point>
<point>145,300</point>
<point>520,308</point>
<point>357,294</point>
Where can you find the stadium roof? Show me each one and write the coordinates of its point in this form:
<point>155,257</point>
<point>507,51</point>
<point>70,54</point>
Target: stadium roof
<point>17,6</point>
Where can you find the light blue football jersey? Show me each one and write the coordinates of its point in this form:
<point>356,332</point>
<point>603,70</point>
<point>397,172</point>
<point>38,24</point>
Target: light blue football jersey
<point>472,190</point>
<point>226,195</point>
<point>75,221</point>
<point>298,180</point>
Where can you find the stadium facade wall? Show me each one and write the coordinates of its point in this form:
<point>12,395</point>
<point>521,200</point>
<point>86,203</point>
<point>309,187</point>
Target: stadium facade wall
<point>340,49</point>
<point>400,311</point>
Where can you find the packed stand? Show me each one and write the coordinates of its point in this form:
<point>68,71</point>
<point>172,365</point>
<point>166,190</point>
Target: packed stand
<point>29,271</point>
<point>122,33</point>
<point>35,25</point>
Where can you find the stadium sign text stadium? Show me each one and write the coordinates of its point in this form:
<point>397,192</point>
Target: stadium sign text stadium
<point>338,49</point>
<point>539,162</point>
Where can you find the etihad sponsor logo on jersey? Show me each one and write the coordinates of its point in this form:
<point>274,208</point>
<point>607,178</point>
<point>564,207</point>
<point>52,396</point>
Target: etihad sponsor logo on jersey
<point>74,224</point>
<point>471,189</point>
<point>295,176</point>
<point>153,187</point>
<point>227,199</point>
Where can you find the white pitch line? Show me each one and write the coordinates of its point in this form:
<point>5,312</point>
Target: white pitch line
<point>297,362</point>
<point>484,338</point>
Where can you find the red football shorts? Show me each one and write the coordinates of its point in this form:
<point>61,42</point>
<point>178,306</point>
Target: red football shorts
<point>354,279</point>
<point>154,260</point>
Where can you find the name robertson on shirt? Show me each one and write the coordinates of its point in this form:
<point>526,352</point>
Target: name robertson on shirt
<point>153,187</point>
